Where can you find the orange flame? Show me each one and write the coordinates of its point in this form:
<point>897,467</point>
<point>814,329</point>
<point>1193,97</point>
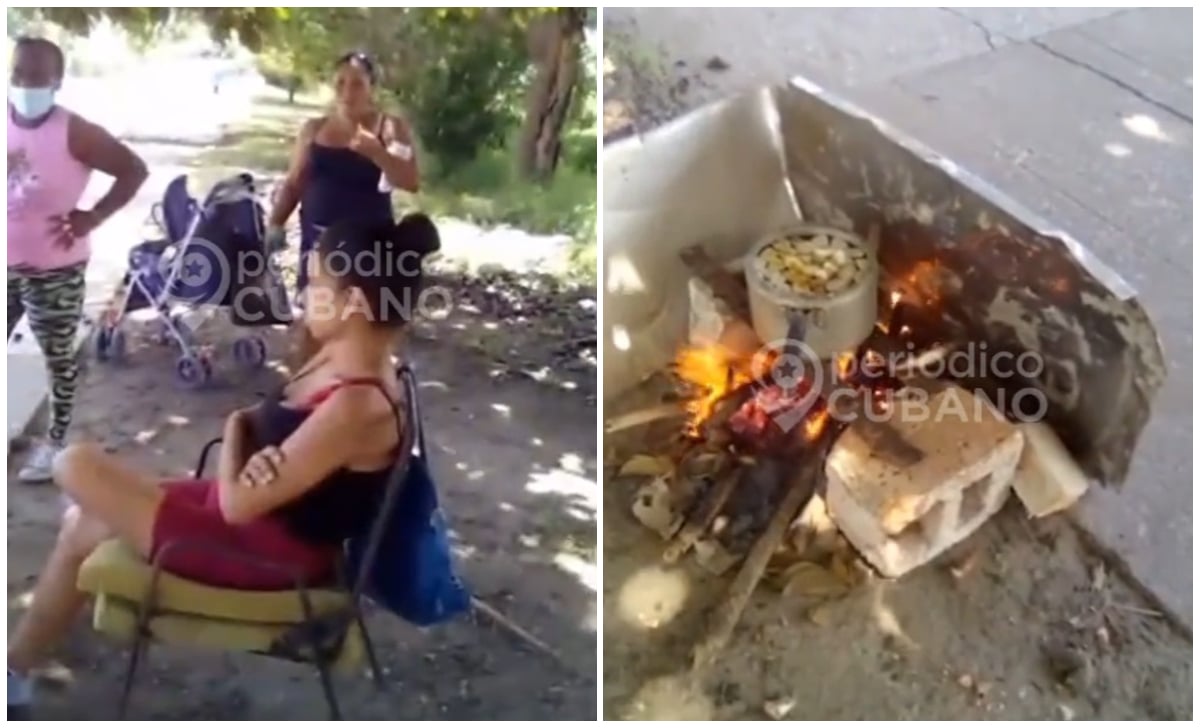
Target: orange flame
<point>845,362</point>
<point>714,372</point>
<point>925,280</point>
<point>815,425</point>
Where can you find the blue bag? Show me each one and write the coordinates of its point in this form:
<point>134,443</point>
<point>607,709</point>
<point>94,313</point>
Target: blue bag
<point>412,574</point>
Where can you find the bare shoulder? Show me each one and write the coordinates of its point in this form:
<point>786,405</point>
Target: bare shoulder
<point>96,147</point>
<point>311,126</point>
<point>367,404</point>
<point>80,128</point>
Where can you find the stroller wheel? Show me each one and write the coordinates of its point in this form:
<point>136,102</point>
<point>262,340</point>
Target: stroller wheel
<point>250,352</point>
<point>110,344</point>
<point>103,337</point>
<point>193,371</point>
<point>116,346</point>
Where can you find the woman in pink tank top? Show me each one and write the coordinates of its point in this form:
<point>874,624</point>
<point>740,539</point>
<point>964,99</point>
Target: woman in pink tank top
<point>51,155</point>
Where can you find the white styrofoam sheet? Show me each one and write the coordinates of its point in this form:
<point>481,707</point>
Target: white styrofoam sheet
<point>714,178</point>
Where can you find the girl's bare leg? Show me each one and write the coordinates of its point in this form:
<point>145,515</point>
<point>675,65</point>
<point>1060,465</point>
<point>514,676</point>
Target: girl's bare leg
<point>111,500</point>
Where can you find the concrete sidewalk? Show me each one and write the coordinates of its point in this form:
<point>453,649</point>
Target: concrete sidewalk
<point>1083,115</point>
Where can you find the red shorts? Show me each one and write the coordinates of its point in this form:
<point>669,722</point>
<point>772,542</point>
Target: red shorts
<point>190,512</point>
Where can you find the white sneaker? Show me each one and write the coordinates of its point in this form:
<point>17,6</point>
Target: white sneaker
<point>40,466</point>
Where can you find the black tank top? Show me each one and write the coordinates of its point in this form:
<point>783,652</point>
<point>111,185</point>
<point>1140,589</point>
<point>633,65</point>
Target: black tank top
<point>343,184</point>
<point>342,505</point>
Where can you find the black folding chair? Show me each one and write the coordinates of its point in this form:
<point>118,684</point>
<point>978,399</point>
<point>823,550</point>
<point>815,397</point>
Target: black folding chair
<point>137,600</point>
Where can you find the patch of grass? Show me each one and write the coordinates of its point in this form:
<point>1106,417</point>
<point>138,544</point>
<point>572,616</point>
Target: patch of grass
<point>488,191</point>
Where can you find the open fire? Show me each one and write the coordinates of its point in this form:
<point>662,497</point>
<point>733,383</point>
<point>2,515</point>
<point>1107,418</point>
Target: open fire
<point>763,392</point>
<point>717,378</point>
<point>767,436</point>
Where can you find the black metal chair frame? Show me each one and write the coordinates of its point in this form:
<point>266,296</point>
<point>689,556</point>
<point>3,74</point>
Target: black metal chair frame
<point>317,639</point>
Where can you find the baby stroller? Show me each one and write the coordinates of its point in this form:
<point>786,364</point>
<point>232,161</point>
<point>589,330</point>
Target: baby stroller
<point>214,254</point>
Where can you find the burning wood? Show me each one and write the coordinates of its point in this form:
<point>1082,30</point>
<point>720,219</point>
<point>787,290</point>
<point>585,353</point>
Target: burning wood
<point>739,399</point>
<point>714,373</point>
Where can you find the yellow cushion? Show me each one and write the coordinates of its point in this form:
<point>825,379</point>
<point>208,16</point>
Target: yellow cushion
<point>117,618</point>
<point>114,570</point>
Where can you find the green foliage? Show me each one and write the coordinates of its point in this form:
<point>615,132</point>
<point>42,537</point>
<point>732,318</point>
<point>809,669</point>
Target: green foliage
<point>487,190</point>
<point>459,75</point>
<point>459,79</point>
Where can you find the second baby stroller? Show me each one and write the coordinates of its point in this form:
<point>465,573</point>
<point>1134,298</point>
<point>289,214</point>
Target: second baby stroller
<point>213,254</point>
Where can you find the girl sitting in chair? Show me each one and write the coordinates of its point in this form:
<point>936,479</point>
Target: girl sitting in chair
<point>297,475</point>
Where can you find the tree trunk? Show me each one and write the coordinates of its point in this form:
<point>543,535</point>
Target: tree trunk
<point>554,47</point>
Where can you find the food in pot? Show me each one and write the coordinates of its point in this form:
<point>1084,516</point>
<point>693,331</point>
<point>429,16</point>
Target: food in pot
<point>812,265</point>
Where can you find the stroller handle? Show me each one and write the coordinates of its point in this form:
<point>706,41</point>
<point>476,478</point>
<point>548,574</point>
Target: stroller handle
<point>238,188</point>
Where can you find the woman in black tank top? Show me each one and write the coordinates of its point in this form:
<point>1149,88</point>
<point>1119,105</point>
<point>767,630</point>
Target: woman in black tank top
<point>344,166</point>
<point>297,474</point>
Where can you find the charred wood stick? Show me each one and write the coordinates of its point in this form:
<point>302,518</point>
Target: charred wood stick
<point>800,488</point>
<point>728,406</point>
<point>702,516</point>
<point>915,366</point>
<point>644,416</point>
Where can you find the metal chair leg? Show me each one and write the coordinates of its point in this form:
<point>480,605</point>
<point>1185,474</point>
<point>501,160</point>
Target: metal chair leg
<point>140,645</point>
<point>376,670</point>
<point>335,712</point>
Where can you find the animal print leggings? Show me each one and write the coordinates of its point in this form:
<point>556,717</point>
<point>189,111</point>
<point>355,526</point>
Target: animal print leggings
<point>53,300</point>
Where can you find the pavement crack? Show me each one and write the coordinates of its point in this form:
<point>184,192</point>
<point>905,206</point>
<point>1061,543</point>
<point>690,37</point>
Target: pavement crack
<point>987,32</point>
<point>1113,80</point>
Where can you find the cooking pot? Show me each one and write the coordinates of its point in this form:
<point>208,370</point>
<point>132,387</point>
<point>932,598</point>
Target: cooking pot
<point>828,275</point>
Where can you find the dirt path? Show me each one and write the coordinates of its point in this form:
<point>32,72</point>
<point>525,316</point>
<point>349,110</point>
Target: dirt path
<point>516,465</point>
<point>1030,628</point>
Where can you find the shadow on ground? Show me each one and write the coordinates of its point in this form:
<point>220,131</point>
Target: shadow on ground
<point>516,466</point>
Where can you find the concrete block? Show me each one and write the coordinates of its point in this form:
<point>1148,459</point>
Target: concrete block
<point>1048,479</point>
<point>901,517</point>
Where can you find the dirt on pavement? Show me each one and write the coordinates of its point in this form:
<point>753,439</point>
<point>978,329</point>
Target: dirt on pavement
<point>516,466</point>
<point>1018,622</point>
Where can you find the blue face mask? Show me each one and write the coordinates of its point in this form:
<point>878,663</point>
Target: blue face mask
<point>31,102</point>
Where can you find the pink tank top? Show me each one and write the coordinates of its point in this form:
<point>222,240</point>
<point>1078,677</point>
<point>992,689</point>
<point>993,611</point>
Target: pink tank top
<point>44,180</point>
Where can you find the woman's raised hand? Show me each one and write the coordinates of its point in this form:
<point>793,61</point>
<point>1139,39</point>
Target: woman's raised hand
<point>366,143</point>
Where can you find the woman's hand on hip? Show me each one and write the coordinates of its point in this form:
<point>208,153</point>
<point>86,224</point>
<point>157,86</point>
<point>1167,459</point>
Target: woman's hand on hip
<point>74,225</point>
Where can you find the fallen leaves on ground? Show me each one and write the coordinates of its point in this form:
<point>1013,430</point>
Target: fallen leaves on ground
<point>646,465</point>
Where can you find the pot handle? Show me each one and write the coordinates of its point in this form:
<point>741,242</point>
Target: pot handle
<point>801,319</point>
